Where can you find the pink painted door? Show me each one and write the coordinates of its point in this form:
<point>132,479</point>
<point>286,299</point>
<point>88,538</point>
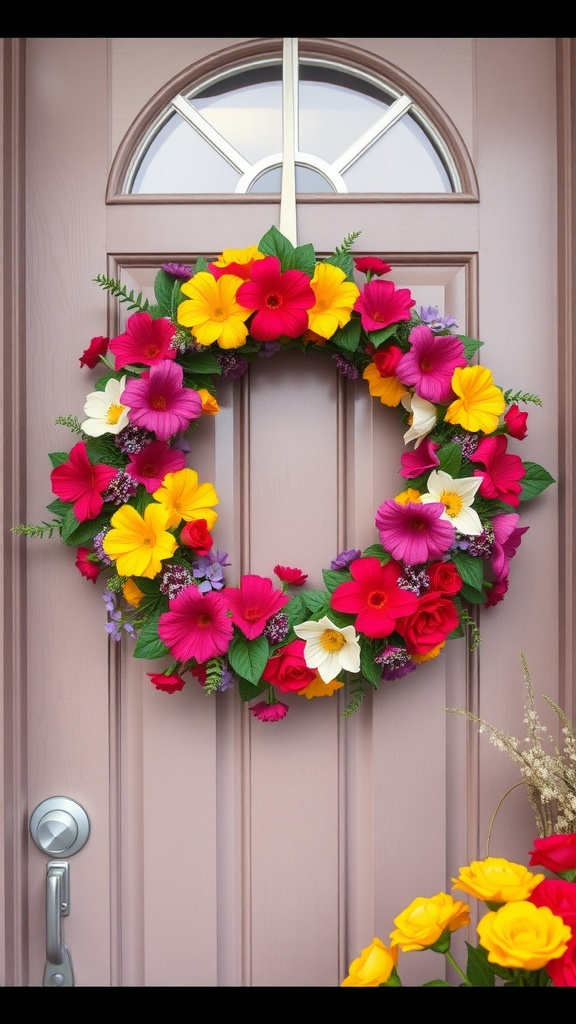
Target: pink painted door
<point>222,851</point>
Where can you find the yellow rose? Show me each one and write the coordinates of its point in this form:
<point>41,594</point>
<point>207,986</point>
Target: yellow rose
<point>373,967</point>
<point>522,935</point>
<point>496,880</point>
<point>423,922</point>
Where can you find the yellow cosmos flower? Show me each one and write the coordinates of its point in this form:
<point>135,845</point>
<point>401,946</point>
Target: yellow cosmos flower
<point>242,257</point>
<point>496,880</point>
<point>132,593</point>
<point>373,967</point>
<point>410,494</point>
<point>387,389</point>
<point>335,298</point>
<point>139,543</point>
<point>210,406</point>
<point>318,688</point>
<point>422,923</point>
<point>521,935</point>
<point>184,498</point>
<point>480,403</point>
<point>211,311</point>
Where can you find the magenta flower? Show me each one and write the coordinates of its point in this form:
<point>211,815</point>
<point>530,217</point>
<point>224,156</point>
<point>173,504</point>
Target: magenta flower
<point>253,603</point>
<point>502,473</point>
<point>374,597</point>
<point>516,422</point>
<point>371,265</point>
<point>150,465</point>
<point>429,365</point>
<point>414,532</point>
<point>381,303</point>
<point>281,300</point>
<point>269,712</point>
<point>158,402</point>
<point>196,626</point>
<point>507,538</point>
<point>82,483</point>
<point>420,460</point>
<point>145,341</point>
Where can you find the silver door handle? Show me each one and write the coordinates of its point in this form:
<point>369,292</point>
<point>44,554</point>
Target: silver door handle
<point>58,970</point>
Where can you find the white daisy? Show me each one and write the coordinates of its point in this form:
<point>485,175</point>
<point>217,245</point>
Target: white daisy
<point>106,414</point>
<point>457,497</point>
<point>328,648</point>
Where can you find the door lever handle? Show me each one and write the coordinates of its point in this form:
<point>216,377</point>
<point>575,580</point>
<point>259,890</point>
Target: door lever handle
<point>58,969</point>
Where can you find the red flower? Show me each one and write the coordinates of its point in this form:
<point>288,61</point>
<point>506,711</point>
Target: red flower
<point>145,340</point>
<point>502,473</point>
<point>253,603</point>
<point>281,300</point>
<point>374,597</point>
<point>88,569</point>
<point>430,624</point>
<point>444,577</point>
<point>496,593</point>
<point>556,853</point>
<point>387,359</point>
<point>560,896</point>
<point>287,669</point>
<point>562,971</point>
<point>199,672</point>
<point>196,535</point>
<point>91,355</point>
<point>80,482</point>
<point>170,684</point>
<point>380,304</point>
<point>516,422</point>
<point>294,576</point>
<point>371,265</point>
<point>269,712</point>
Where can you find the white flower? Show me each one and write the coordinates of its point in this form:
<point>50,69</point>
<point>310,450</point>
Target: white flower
<point>457,497</point>
<point>106,413</point>
<point>328,648</point>
<point>424,417</point>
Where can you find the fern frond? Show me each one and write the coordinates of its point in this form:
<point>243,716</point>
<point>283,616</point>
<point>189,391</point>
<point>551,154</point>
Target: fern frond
<point>38,530</point>
<point>121,293</point>
<point>522,396</point>
<point>355,698</point>
<point>72,422</point>
<point>347,243</point>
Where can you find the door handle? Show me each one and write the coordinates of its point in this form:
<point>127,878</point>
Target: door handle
<point>58,971</point>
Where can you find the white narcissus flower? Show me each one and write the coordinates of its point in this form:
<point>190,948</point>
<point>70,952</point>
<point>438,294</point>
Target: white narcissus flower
<point>457,497</point>
<point>106,414</point>
<point>329,649</point>
<point>424,418</point>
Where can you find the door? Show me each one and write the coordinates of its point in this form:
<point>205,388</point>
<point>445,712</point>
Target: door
<point>224,851</point>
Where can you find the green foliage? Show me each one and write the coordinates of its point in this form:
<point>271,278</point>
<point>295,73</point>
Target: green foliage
<point>537,479</point>
<point>248,657</point>
<point>72,422</point>
<point>121,293</point>
<point>149,645</point>
<point>40,530</point>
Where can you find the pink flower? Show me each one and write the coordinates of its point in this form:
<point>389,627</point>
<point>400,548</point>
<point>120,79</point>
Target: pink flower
<point>253,603</point>
<point>374,597</point>
<point>420,460</point>
<point>78,481</point>
<point>145,341</point>
<point>556,853</point>
<point>158,402</point>
<point>281,300</point>
<point>150,465</point>
<point>293,576</point>
<point>516,422</point>
<point>88,569</point>
<point>496,593</point>
<point>502,473</point>
<point>196,626</point>
<point>269,712</point>
<point>91,356</point>
<point>371,265</point>
<point>414,532</point>
<point>380,304</point>
<point>429,365</point>
<point>560,895</point>
<point>169,684</point>
<point>507,538</point>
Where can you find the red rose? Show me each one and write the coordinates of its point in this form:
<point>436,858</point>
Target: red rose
<point>196,535</point>
<point>433,620</point>
<point>516,422</point>
<point>387,360</point>
<point>444,577</point>
<point>560,896</point>
<point>563,970</point>
<point>287,669</point>
<point>91,356</point>
<point>170,684</point>
<point>294,576</point>
<point>88,568</point>
<point>556,853</point>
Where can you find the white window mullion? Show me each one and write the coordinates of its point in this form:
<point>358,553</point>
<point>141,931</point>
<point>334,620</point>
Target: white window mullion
<point>289,139</point>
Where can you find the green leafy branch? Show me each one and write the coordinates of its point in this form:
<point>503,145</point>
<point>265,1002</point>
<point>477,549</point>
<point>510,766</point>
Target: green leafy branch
<point>121,293</point>
<point>39,530</point>
<point>522,396</point>
<point>475,638</point>
<point>347,243</point>
<point>72,422</point>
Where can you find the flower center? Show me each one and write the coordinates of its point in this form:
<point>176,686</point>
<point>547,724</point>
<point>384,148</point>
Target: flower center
<point>151,351</point>
<point>332,640</point>
<point>452,503</point>
<point>114,413</point>
<point>252,614</point>
<point>158,402</point>
<point>376,599</point>
<point>203,620</point>
<point>273,301</point>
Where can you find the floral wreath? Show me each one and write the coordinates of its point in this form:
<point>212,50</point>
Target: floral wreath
<point>138,516</point>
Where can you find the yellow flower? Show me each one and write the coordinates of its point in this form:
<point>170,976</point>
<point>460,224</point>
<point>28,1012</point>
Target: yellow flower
<point>210,406</point>
<point>211,311</point>
<point>420,658</point>
<point>184,498</point>
<point>496,880</point>
<point>242,257</point>
<point>480,403</point>
<point>373,967</point>
<point>139,543</point>
<point>335,298</point>
<point>318,688</point>
<point>409,495</point>
<point>521,935</point>
<point>423,922</point>
<point>387,389</point>
<point>132,593</point>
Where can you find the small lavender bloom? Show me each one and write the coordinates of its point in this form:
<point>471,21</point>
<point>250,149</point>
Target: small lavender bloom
<point>346,368</point>
<point>109,600</point>
<point>232,366</point>
<point>269,348</point>
<point>121,488</point>
<point>429,314</point>
<point>180,270</point>
<point>414,579</point>
<point>276,628</point>
<point>218,556</point>
<point>210,574</point>
<point>458,545</point>
<point>342,561</point>
<point>98,546</point>
<point>132,439</point>
<point>468,443</point>
<point>228,678</point>
<point>174,579</point>
<point>395,662</point>
<point>179,441</point>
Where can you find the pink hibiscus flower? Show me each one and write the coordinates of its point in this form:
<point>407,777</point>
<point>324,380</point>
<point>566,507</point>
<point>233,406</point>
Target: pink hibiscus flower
<point>374,597</point>
<point>414,532</point>
<point>150,465</point>
<point>159,403</point>
<point>507,538</point>
<point>429,365</point>
<point>281,300</point>
<point>502,472</point>
<point>253,603</point>
<point>420,460</point>
<point>78,481</point>
<point>145,341</point>
<point>380,304</point>
<point>196,626</point>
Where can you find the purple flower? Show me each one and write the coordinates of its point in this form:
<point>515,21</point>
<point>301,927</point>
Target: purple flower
<point>347,369</point>
<point>209,573</point>
<point>269,348</point>
<point>179,270</point>
<point>429,314</point>
<point>232,366</point>
<point>396,662</point>
<point>343,560</point>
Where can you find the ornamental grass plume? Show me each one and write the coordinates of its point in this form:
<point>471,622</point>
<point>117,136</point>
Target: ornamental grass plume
<point>548,772</point>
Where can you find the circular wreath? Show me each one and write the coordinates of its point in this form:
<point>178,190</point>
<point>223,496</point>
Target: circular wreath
<point>140,517</point>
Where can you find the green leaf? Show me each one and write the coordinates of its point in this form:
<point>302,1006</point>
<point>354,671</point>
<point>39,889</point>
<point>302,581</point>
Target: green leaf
<point>59,507</point>
<point>344,261</point>
<point>347,338</point>
<point>295,610</point>
<point>437,983</point>
<point>168,294</point>
<point>378,338</point>
<point>471,345</point>
<point>376,551</point>
<point>450,456</point>
<point>248,657</point>
<point>316,601</point>
<point>149,645</point>
<point>305,259</point>
<point>470,569</point>
<point>77,534</point>
<point>334,577</point>
<point>199,362</point>
<point>247,691</point>
<point>480,973</point>
<point>537,479</point>
<point>274,243</point>
<point>58,458</point>
<point>472,595</point>
<point>368,667</point>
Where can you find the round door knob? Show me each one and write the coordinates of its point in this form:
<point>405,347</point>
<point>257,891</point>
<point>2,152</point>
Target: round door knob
<point>59,826</point>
